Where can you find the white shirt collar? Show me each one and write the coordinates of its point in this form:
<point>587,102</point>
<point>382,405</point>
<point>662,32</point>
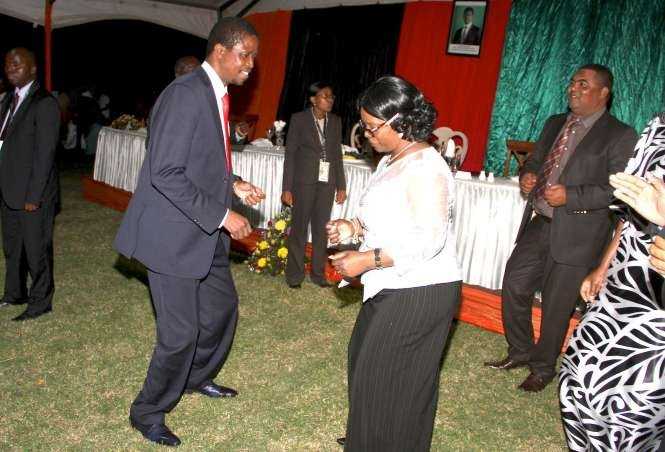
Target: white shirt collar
<point>217,84</point>
<point>22,92</point>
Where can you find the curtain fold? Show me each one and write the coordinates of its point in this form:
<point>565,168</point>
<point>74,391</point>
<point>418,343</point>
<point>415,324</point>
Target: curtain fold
<point>546,41</point>
<point>260,94</point>
<point>349,47</point>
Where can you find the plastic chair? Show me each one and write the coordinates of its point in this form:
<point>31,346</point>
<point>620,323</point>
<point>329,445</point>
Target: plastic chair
<point>459,140</point>
<point>355,138</point>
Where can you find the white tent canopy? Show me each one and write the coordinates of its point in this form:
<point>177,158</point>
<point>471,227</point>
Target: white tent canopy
<point>190,16</point>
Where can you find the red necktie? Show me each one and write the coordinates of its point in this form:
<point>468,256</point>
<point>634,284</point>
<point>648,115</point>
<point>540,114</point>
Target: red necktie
<point>10,114</point>
<point>554,157</point>
<point>227,133</point>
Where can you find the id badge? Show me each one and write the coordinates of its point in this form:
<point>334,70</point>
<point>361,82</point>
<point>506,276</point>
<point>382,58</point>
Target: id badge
<point>324,169</point>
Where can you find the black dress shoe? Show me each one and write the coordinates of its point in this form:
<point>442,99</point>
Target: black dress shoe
<point>341,441</point>
<point>214,390</point>
<point>27,315</point>
<point>157,433</point>
<point>295,286</point>
<point>506,364</point>
<point>9,302</point>
<point>534,383</point>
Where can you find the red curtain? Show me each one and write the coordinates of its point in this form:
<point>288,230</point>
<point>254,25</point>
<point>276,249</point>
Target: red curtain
<point>260,94</point>
<point>462,88</point>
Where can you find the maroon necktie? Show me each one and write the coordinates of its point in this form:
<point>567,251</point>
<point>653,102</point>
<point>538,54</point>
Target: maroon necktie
<point>554,157</point>
<point>227,133</point>
<point>10,114</point>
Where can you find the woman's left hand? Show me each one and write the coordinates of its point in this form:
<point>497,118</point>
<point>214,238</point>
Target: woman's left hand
<point>340,196</point>
<point>352,263</point>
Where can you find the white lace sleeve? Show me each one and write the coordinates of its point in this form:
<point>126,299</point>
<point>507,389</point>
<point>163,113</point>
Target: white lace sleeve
<point>424,225</point>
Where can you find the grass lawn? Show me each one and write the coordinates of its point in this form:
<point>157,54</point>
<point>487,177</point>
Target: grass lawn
<point>67,379</point>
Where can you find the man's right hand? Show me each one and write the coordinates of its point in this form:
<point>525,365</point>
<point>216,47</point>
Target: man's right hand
<point>527,182</point>
<point>287,198</point>
<point>237,225</point>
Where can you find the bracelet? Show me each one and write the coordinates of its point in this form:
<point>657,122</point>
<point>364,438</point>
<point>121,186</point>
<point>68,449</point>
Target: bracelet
<point>377,258</point>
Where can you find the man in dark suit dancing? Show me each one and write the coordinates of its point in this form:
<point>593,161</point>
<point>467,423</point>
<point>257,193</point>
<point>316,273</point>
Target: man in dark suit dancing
<point>179,224</point>
<point>566,224</point>
<point>469,34</point>
<point>30,122</point>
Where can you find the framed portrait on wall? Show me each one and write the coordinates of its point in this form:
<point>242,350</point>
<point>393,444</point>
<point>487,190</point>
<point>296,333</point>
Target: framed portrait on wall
<point>467,26</point>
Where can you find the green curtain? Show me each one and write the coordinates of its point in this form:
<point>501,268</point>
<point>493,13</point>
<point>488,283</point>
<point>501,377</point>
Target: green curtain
<point>547,40</point>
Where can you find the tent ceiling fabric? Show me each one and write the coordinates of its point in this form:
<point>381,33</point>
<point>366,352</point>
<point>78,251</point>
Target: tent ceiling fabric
<point>191,16</point>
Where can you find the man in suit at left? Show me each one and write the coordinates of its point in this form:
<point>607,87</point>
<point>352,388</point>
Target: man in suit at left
<point>30,121</point>
<point>469,34</point>
<point>179,224</point>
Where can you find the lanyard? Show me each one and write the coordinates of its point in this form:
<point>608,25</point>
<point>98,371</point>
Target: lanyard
<point>322,133</point>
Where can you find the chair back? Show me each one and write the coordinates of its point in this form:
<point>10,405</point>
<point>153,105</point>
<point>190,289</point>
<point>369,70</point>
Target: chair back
<point>518,149</point>
<point>250,119</point>
<point>355,138</point>
<point>444,135</point>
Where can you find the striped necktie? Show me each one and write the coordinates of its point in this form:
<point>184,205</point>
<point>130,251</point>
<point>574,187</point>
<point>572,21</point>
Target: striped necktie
<point>10,115</point>
<point>554,157</point>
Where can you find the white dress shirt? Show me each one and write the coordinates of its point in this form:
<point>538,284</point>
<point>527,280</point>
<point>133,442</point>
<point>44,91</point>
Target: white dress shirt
<point>220,91</point>
<point>407,211</point>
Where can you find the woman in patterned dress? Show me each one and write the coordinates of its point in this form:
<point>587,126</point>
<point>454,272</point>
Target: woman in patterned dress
<point>612,378</point>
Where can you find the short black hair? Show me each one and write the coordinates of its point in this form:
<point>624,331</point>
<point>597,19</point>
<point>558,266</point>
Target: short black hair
<point>603,74</point>
<point>468,9</point>
<point>390,95</point>
<point>27,53</point>
<point>181,63</point>
<point>314,88</point>
<point>228,31</point>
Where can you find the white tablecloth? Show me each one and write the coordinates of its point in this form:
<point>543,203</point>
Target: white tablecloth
<point>487,215</point>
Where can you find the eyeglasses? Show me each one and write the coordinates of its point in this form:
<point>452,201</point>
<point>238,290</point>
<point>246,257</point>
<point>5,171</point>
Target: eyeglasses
<point>374,130</point>
<point>323,96</point>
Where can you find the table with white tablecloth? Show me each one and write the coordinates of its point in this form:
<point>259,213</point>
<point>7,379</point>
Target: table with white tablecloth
<point>487,214</point>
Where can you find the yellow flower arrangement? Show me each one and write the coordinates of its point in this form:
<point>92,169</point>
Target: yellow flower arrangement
<point>270,255</point>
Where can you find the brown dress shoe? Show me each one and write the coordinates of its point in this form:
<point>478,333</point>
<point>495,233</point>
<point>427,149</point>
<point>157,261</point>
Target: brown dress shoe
<point>533,383</point>
<point>506,364</point>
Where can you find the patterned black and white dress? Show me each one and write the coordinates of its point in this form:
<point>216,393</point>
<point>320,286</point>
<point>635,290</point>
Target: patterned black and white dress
<point>612,378</point>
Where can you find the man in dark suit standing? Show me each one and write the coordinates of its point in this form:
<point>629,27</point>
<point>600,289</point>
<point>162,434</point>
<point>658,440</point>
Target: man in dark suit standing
<point>469,34</point>
<point>566,224</point>
<point>30,122</point>
<point>179,224</point>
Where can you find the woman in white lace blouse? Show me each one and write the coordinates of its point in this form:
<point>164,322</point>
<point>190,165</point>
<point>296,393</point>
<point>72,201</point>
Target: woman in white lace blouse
<point>409,271</point>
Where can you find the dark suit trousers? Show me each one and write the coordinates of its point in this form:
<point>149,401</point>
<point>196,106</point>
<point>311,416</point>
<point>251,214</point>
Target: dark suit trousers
<point>196,321</point>
<point>394,363</point>
<point>27,240</point>
<point>529,269</point>
<point>312,203</point>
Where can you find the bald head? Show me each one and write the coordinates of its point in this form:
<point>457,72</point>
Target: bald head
<point>185,65</point>
<point>20,67</point>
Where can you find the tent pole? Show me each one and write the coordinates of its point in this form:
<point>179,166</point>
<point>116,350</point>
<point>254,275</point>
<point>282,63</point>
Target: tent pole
<point>48,10</point>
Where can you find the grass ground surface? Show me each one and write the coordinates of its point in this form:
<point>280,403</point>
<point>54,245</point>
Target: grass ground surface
<point>67,379</point>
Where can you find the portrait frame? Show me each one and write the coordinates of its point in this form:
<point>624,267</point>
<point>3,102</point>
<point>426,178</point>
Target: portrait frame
<point>469,42</point>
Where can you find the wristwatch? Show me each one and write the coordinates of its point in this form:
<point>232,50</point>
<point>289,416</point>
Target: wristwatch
<point>377,258</point>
